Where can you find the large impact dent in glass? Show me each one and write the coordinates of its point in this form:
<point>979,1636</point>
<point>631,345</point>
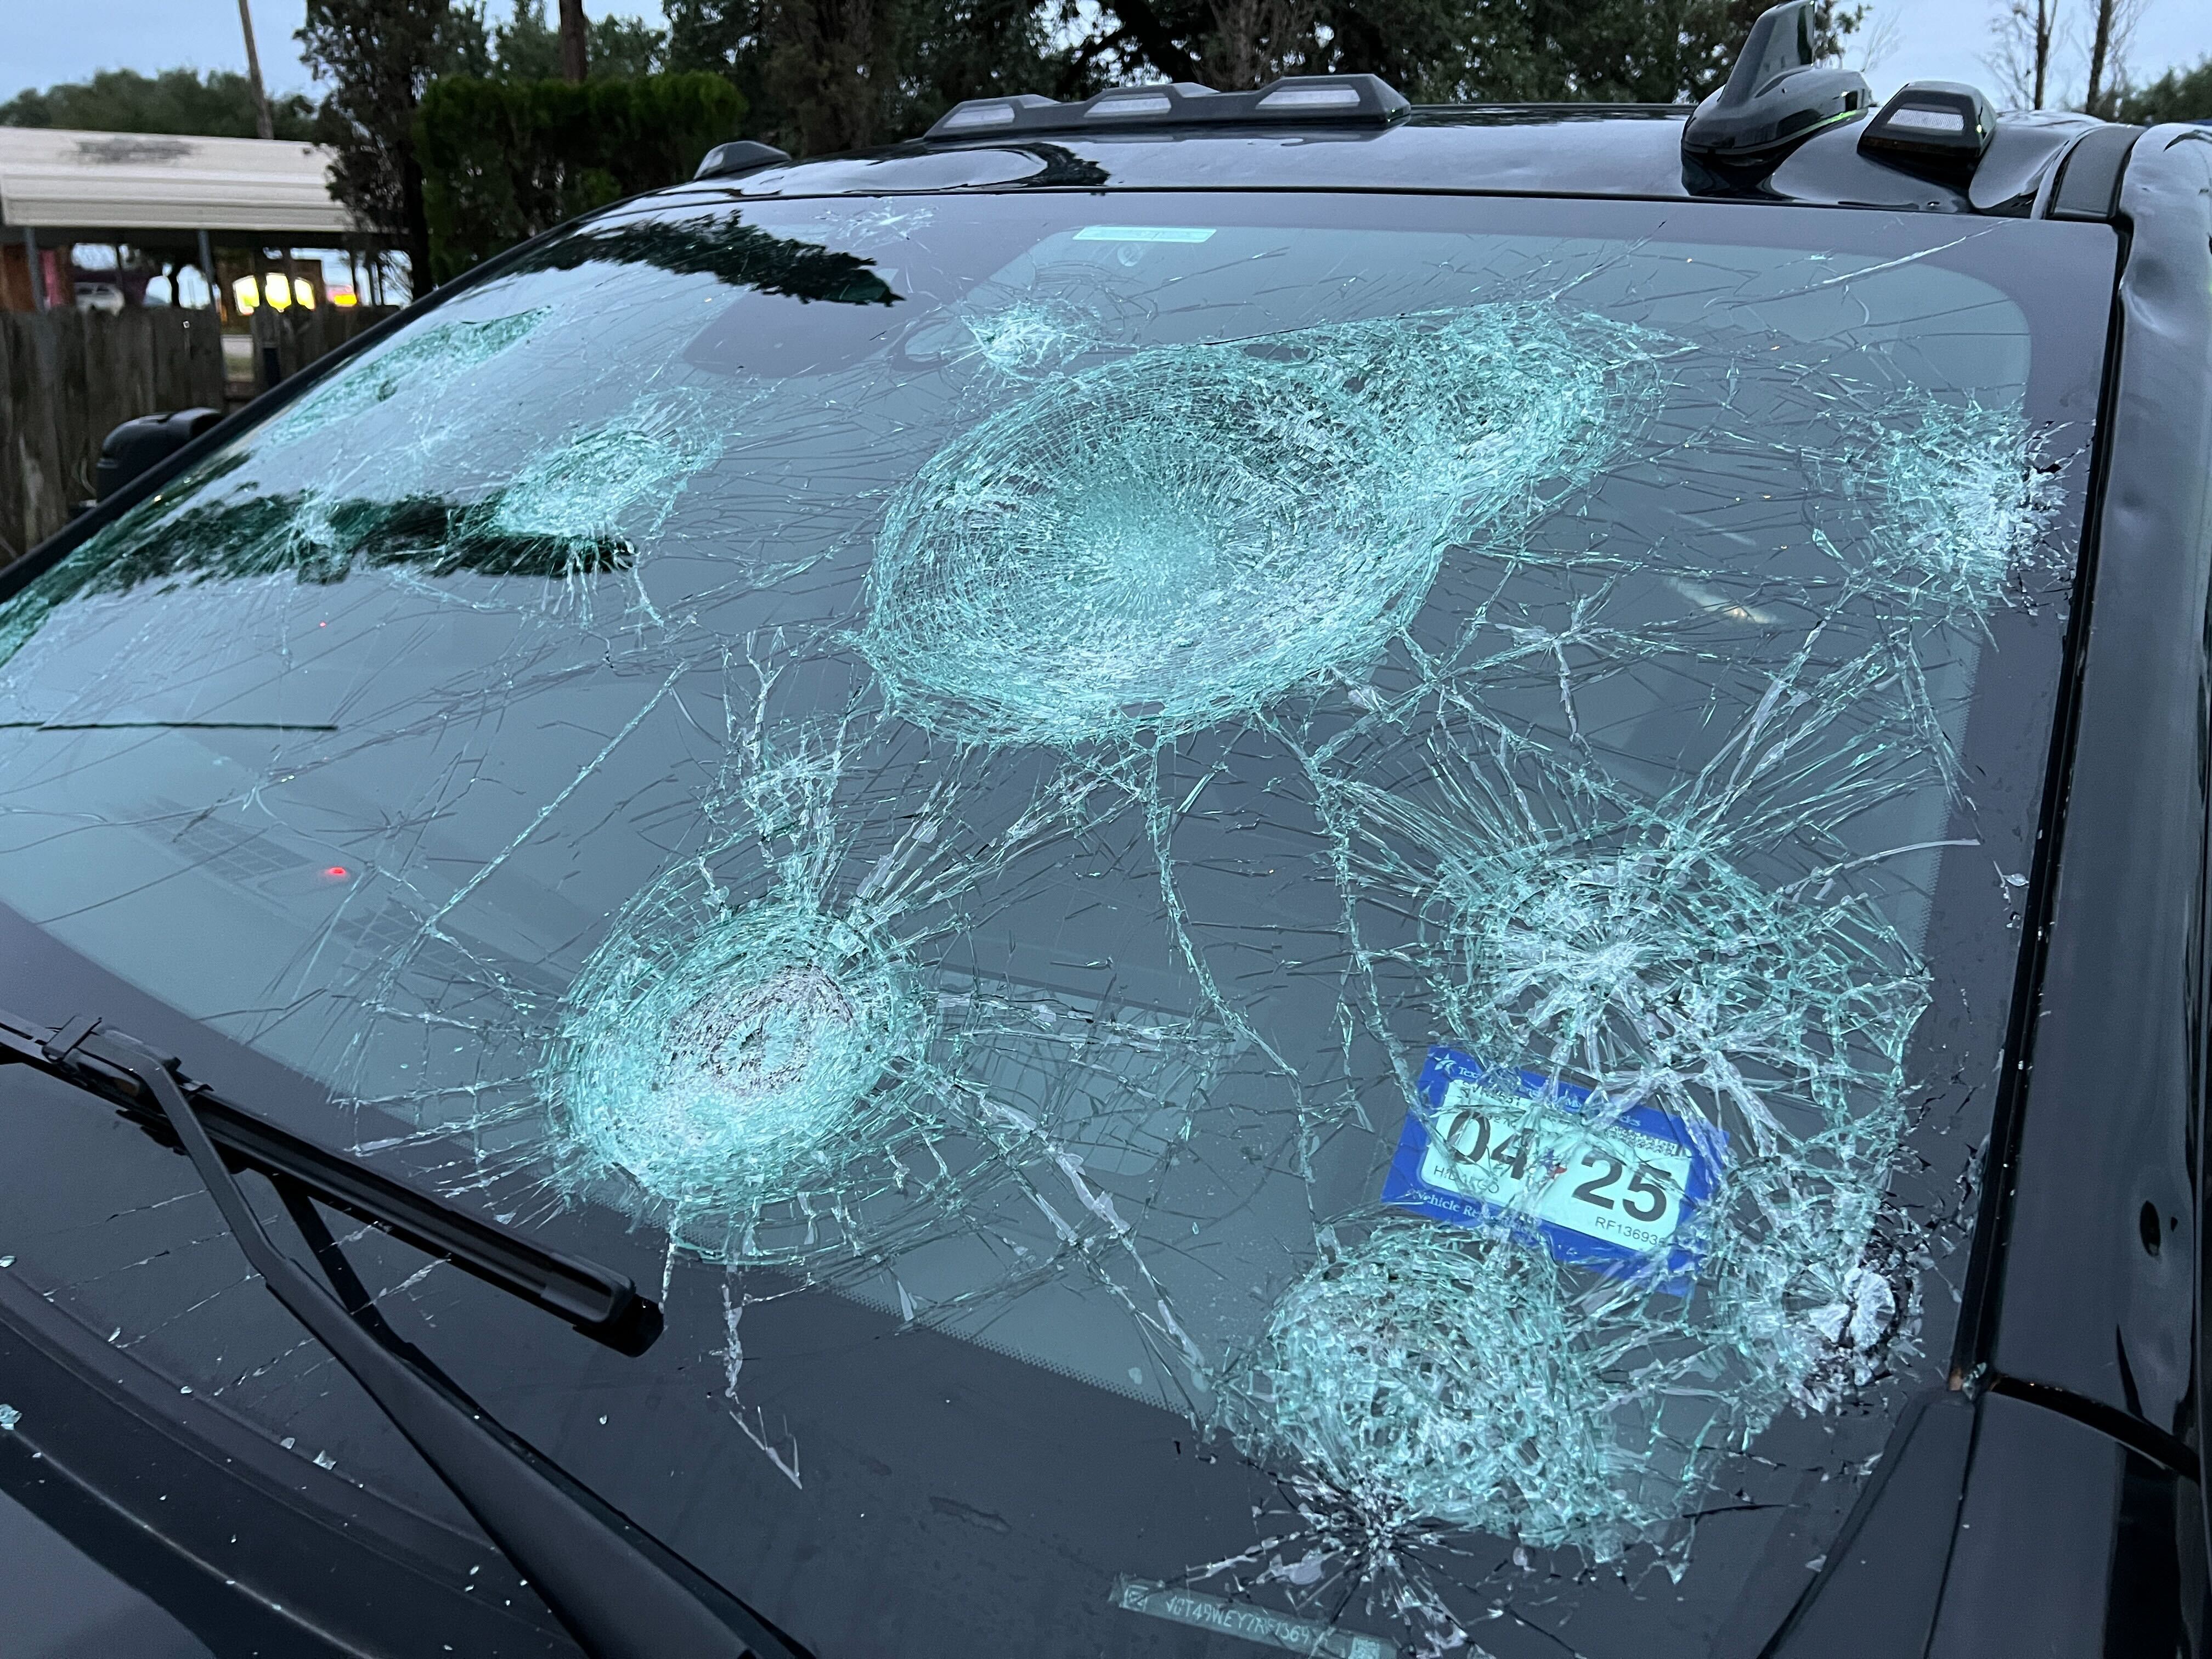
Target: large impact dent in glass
<point>1333,831</point>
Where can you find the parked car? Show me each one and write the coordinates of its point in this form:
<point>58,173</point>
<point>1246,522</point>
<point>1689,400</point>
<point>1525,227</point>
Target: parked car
<point>1198,873</point>
<point>99,296</point>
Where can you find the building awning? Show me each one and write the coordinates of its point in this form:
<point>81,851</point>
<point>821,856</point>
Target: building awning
<point>55,179</point>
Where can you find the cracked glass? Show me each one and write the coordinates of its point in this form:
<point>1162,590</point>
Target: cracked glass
<point>1282,919</point>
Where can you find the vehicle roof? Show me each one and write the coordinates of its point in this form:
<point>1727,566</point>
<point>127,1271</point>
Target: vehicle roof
<point>1621,150</point>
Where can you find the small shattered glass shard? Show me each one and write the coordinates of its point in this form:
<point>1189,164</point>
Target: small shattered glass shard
<point>1029,336</point>
<point>1960,496</point>
<point>1430,1372</point>
<point>578,490</point>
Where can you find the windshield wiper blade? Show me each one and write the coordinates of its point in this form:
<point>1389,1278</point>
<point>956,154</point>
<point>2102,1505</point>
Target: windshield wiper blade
<point>621,1592</point>
<point>605,1305</point>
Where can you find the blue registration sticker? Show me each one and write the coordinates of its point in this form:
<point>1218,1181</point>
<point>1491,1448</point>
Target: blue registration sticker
<point>1492,1147</point>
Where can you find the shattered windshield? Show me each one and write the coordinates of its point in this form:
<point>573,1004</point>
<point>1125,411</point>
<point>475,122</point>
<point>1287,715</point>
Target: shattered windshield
<point>1282,919</point>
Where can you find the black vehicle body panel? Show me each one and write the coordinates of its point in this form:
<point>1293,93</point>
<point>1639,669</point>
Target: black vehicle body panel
<point>2049,1501</point>
<point>277,1558</point>
<point>2106,1066</point>
<point>2053,1502</point>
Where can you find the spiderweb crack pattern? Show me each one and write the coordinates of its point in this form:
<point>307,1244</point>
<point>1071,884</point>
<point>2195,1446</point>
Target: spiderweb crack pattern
<point>423,362</point>
<point>1618,813</point>
<point>1180,537</point>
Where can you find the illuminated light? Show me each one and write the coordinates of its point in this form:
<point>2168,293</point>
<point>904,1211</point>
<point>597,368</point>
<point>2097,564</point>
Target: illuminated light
<point>303,291</point>
<point>277,294</point>
<point>343,296</point>
<point>248,293</point>
<point>337,872</point>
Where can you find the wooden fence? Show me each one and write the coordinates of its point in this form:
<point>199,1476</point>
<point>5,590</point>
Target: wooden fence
<point>67,378</point>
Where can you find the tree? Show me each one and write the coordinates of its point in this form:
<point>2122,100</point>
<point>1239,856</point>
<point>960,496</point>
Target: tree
<point>826,75</point>
<point>180,101</point>
<point>831,74</point>
<point>623,48</point>
<point>2112,24</point>
<point>1447,51</point>
<point>2177,95</point>
<point>2026,32</point>
<point>526,48</point>
<point>503,160</point>
<point>379,55</point>
<point>719,36</point>
<point>575,52</point>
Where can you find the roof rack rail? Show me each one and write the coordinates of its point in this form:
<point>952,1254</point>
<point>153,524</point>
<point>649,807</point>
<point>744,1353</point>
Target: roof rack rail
<point>1328,99</point>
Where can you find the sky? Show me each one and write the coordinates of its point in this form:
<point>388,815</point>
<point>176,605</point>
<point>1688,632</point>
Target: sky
<point>1904,40</point>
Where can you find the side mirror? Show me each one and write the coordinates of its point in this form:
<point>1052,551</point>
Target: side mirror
<point>132,448</point>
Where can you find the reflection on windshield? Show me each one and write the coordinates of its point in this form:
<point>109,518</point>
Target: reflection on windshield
<point>730,250</point>
<point>1349,852</point>
<point>559,517</point>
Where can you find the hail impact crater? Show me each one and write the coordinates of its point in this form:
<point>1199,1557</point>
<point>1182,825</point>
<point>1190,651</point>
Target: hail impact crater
<point>1186,535</point>
<point>741,1066</point>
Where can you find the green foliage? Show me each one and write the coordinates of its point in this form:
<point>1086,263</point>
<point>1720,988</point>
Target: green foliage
<point>505,160</point>
<point>527,48</point>
<point>1446,51</point>
<point>379,55</point>
<point>626,48</point>
<point>2177,95</point>
<point>827,75</point>
<point>821,76</point>
<point>178,101</point>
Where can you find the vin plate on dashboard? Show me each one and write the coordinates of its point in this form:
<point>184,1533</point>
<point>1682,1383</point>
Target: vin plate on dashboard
<point>1252,1624</point>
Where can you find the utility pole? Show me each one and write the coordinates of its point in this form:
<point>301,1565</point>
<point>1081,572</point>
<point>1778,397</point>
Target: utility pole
<point>261,121</point>
<point>575,61</point>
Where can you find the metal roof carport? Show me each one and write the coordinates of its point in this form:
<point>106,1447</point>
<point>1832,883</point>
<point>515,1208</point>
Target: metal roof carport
<point>157,191</point>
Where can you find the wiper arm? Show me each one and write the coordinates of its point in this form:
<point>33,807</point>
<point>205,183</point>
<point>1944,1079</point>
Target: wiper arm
<point>622,1594</point>
<point>602,1304</point>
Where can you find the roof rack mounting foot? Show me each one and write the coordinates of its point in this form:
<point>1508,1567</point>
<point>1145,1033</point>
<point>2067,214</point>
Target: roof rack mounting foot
<point>1777,95</point>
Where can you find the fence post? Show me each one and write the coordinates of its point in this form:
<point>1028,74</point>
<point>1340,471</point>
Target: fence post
<point>36,270</point>
<point>67,378</point>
